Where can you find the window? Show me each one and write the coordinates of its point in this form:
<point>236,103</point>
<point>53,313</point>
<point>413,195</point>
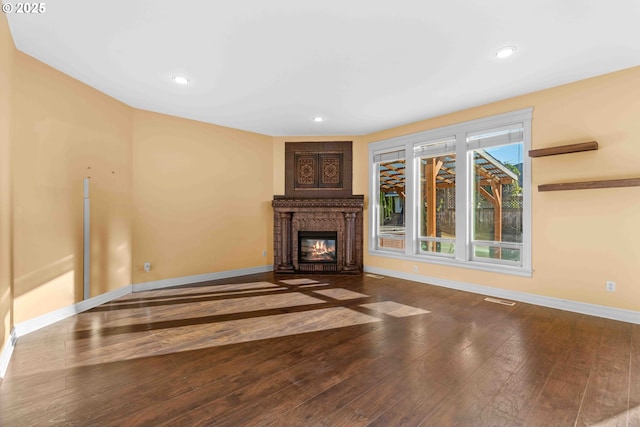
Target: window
<point>458,195</point>
<point>390,226</point>
<point>436,161</point>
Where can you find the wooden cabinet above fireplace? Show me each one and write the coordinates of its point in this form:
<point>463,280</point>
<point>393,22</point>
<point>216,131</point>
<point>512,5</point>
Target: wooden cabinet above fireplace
<point>318,169</point>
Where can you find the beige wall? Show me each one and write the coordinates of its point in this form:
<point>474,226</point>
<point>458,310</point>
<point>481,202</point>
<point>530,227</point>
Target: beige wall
<point>581,238</point>
<point>6,253</point>
<point>64,131</point>
<point>201,196</point>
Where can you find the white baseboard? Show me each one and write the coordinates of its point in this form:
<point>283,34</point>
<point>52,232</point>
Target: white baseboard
<point>567,305</point>
<point>36,323</point>
<point>7,351</point>
<point>23,328</point>
<point>187,280</point>
<point>47,319</point>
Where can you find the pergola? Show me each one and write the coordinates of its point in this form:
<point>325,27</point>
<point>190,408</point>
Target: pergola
<point>439,173</point>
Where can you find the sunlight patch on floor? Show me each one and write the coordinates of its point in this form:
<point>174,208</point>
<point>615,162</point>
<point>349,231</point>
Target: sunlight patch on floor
<point>314,285</point>
<point>340,294</point>
<point>215,307</point>
<point>298,281</point>
<point>394,309</point>
<point>624,418</point>
<point>213,289</point>
<point>194,337</point>
<point>169,331</point>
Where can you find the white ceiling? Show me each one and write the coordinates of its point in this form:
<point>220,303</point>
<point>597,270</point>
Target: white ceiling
<point>365,65</point>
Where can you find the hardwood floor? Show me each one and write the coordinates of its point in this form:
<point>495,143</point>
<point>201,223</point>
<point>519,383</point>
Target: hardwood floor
<point>330,351</point>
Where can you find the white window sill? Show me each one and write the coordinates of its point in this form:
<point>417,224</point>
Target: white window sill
<point>473,265</point>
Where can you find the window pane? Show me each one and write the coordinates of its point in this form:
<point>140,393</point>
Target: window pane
<point>391,226</point>
<point>438,204</point>
<point>497,252</point>
<point>497,203</point>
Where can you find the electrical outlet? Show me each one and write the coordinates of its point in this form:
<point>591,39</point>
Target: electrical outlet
<point>147,266</point>
<point>611,286</point>
<point>264,253</point>
<point>415,268</point>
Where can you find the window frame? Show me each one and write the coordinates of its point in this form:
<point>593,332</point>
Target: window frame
<point>437,148</point>
<point>392,152</point>
<point>464,255</point>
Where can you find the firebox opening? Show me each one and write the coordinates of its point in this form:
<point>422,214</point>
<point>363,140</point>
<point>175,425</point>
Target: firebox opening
<point>317,247</point>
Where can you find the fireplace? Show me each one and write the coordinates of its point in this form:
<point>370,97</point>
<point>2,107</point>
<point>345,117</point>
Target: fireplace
<point>296,221</point>
<point>317,223</point>
<point>317,247</point>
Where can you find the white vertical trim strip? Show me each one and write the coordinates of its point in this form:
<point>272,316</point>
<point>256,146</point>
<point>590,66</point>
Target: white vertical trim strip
<point>462,196</point>
<point>374,201</point>
<point>410,191</point>
<point>527,234</point>
<point>86,249</point>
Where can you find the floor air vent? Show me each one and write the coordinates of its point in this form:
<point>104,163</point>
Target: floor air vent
<point>500,301</point>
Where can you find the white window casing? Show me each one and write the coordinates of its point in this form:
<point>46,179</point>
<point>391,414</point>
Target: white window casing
<point>462,139</point>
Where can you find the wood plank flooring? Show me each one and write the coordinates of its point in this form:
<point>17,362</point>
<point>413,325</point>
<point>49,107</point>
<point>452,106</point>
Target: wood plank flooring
<point>326,351</point>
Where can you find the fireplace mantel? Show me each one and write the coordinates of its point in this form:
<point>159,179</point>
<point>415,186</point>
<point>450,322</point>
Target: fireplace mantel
<point>342,215</point>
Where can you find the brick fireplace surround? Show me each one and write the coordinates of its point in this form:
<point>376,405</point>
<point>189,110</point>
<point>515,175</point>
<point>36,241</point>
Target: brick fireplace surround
<point>342,215</point>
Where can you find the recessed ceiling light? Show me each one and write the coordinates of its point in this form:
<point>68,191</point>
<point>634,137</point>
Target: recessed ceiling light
<point>181,80</point>
<point>504,52</point>
<point>318,119</point>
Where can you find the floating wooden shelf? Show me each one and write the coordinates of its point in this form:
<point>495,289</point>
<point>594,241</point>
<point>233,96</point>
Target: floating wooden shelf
<point>586,185</point>
<point>630,182</point>
<point>564,149</point>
